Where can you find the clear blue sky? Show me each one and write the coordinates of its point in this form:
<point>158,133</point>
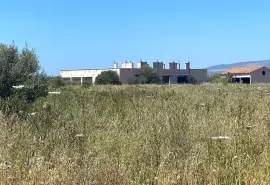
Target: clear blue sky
<point>93,33</point>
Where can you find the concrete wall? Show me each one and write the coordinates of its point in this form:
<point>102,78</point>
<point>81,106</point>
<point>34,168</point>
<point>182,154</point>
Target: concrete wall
<point>177,72</point>
<point>115,65</point>
<point>199,74</point>
<point>187,65</point>
<point>258,77</point>
<point>127,76</point>
<point>93,73</point>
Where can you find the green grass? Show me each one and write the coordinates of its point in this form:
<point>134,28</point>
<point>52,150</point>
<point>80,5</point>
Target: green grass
<point>129,135</point>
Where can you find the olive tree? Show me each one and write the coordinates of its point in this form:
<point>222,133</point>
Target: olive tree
<point>20,68</point>
<point>147,75</point>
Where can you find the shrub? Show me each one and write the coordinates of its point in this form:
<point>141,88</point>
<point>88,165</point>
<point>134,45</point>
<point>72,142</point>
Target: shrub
<point>107,77</point>
<point>217,78</point>
<point>147,75</point>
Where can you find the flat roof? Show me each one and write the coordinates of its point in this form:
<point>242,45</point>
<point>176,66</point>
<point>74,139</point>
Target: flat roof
<point>87,69</point>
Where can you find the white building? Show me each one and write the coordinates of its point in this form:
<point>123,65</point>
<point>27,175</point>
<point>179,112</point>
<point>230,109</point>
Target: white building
<point>127,73</point>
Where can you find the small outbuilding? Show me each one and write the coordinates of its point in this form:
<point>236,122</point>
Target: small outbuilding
<point>251,74</point>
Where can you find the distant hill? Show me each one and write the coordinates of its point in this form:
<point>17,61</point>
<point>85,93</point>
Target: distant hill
<point>223,67</point>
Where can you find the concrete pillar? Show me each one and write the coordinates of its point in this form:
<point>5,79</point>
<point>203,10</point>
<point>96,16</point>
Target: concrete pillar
<point>139,64</point>
<point>115,65</point>
<point>158,66</point>
<point>124,65</point>
<point>188,66</point>
<point>172,66</point>
<point>70,76</point>
<point>178,66</point>
<point>129,65</point>
<point>173,79</point>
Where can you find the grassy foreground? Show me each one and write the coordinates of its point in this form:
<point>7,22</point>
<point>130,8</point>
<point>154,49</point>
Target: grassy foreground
<point>131,135</point>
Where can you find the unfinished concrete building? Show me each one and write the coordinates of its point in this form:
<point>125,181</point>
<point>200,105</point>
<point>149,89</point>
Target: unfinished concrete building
<point>127,73</point>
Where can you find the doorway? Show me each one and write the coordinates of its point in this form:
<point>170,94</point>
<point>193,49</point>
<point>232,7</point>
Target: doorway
<point>182,79</point>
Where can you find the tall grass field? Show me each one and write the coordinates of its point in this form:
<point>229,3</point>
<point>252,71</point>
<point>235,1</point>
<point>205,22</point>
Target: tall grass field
<point>141,135</point>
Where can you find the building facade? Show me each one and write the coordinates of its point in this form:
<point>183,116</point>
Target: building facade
<point>248,75</point>
<point>127,73</point>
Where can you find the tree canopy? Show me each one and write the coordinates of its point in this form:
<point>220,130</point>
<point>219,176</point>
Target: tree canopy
<point>147,75</point>
<point>107,77</point>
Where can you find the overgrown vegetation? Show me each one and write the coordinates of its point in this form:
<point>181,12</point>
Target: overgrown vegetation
<point>133,135</point>
<point>107,78</point>
<point>20,68</point>
<point>55,82</point>
<point>218,78</point>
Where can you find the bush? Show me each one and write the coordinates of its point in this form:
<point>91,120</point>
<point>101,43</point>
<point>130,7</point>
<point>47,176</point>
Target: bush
<point>217,78</point>
<point>107,77</point>
<point>20,68</point>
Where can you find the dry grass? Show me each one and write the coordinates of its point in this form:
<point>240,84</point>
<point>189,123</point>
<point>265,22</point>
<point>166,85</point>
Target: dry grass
<point>141,135</point>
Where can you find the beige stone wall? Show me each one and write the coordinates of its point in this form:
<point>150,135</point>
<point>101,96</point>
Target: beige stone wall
<point>257,77</point>
<point>199,74</point>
